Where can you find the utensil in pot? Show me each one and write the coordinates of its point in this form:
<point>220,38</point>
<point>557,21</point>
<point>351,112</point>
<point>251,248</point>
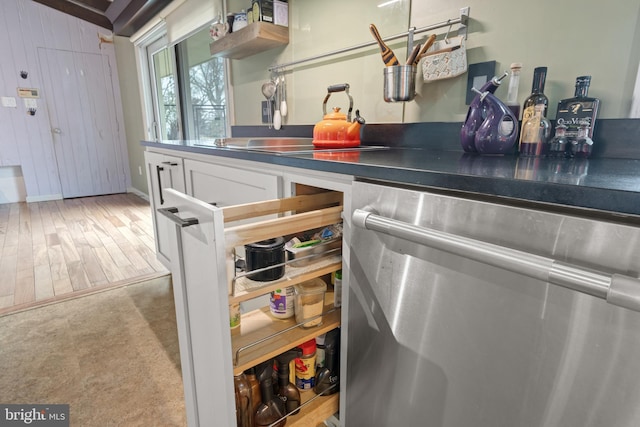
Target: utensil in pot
<point>413,55</point>
<point>388,57</point>
<point>423,50</point>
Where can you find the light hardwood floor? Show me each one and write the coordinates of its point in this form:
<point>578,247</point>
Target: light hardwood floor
<point>51,250</point>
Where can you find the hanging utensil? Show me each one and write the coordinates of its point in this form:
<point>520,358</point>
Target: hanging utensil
<point>388,57</point>
<point>283,97</point>
<point>268,90</point>
<point>277,118</point>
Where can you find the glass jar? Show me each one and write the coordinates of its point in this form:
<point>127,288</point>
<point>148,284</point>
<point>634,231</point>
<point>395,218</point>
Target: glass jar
<point>309,297</point>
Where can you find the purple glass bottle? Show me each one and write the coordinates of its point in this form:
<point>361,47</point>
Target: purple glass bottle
<point>476,114</point>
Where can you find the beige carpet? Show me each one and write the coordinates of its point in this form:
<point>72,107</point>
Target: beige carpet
<point>112,356</point>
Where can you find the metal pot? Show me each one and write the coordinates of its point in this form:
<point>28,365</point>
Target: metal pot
<point>265,254</point>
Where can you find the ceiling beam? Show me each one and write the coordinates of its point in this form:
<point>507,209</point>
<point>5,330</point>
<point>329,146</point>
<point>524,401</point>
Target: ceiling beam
<point>135,15</point>
<point>79,12</point>
<point>98,4</point>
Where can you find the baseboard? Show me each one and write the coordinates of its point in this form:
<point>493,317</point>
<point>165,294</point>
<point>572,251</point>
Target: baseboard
<point>138,193</point>
<point>44,198</point>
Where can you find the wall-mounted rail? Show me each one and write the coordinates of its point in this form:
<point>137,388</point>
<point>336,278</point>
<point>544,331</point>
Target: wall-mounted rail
<point>462,30</point>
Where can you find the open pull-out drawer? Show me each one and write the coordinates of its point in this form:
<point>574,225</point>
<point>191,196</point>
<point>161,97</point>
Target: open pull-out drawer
<point>260,336</point>
<point>303,213</point>
<point>206,285</point>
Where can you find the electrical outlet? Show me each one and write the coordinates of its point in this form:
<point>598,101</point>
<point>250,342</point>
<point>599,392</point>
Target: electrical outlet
<point>139,170</point>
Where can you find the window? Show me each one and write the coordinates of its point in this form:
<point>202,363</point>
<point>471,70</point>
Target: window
<point>165,106</point>
<point>203,87</point>
<point>189,89</point>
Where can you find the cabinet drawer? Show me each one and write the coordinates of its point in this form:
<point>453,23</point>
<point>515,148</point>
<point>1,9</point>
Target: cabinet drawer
<point>206,285</point>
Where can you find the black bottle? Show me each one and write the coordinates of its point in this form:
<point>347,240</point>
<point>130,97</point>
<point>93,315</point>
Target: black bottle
<point>271,409</point>
<point>580,108</point>
<point>288,392</point>
<point>328,377</point>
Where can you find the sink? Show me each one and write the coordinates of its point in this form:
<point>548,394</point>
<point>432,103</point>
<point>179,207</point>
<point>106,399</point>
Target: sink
<point>283,146</point>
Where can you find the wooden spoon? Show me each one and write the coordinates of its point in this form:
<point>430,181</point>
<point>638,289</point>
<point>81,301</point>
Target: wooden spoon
<point>425,47</point>
<point>388,56</point>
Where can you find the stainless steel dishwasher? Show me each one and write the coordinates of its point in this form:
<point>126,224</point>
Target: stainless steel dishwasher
<point>472,313</point>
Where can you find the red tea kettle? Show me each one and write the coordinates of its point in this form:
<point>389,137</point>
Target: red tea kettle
<point>337,130</point>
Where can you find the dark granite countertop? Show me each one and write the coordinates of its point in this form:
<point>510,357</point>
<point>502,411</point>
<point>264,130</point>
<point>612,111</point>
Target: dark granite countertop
<point>602,184</point>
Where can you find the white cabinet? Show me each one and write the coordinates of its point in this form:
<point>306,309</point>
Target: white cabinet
<point>163,171</point>
<point>227,186</point>
<point>202,240</point>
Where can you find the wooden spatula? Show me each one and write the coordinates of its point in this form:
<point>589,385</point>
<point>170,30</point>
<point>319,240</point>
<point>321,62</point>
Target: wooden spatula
<point>388,56</point>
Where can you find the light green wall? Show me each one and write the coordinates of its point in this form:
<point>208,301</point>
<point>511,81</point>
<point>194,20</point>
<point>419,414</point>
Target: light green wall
<point>571,37</point>
<point>132,111</point>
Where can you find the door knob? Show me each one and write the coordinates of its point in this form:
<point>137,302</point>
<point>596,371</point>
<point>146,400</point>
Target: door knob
<point>56,130</point>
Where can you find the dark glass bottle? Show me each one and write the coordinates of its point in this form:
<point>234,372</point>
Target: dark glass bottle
<point>537,94</point>
<point>581,107</point>
<point>256,399</point>
<point>288,392</point>
<point>583,144</point>
<point>244,406</point>
<point>559,146</point>
<point>270,410</point>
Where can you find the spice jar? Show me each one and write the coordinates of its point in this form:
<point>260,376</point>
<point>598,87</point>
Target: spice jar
<point>309,297</point>
<point>306,366</point>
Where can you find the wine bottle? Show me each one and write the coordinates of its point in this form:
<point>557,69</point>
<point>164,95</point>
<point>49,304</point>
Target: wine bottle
<point>581,107</point>
<point>535,134</point>
<point>529,108</point>
<point>537,94</point>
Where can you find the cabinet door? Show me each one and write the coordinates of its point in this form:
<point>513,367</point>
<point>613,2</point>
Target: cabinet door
<point>227,186</point>
<point>202,313</point>
<point>162,172</point>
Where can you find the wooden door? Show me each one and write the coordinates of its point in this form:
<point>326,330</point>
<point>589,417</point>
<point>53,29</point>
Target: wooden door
<point>87,135</point>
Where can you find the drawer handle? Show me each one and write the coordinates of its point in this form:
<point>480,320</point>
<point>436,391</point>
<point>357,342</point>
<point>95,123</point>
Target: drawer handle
<point>170,163</point>
<point>171,214</point>
<point>159,169</point>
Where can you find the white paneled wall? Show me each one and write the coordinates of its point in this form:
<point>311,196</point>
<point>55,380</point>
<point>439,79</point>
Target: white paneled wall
<point>26,140</point>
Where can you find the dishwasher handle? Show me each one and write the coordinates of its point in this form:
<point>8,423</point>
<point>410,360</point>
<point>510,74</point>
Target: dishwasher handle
<point>616,289</point>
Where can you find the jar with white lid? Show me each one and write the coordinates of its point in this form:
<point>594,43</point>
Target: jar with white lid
<point>310,301</point>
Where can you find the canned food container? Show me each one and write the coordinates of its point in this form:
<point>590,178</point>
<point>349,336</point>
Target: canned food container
<point>265,254</point>
<point>310,301</point>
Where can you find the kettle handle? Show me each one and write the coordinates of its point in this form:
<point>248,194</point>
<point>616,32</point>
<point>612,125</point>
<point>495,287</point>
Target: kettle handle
<point>342,87</point>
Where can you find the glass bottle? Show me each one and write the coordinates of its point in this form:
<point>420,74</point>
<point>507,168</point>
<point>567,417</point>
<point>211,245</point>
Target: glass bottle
<point>512,92</point>
<point>254,384</point>
<point>559,146</point>
<point>583,144</point>
<point>269,411</point>
<point>535,133</point>
<point>537,95</point>
<point>244,406</point>
<point>572,111</point>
